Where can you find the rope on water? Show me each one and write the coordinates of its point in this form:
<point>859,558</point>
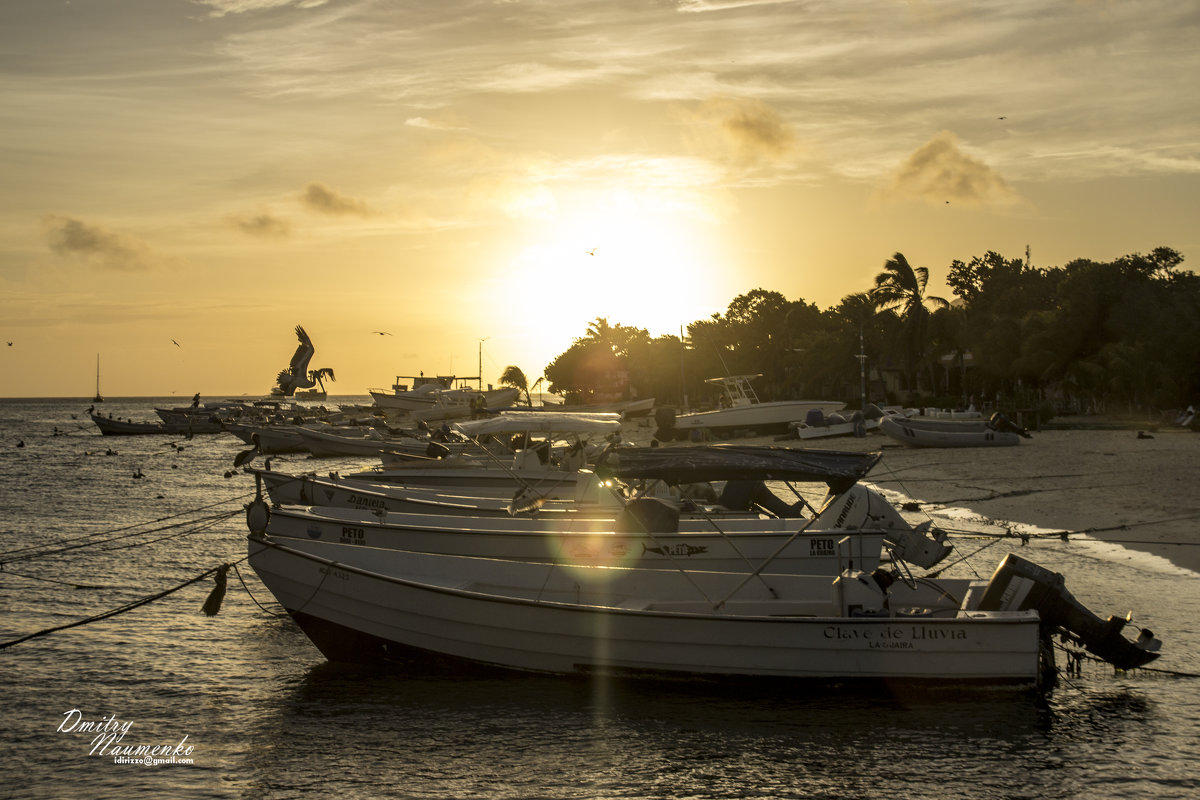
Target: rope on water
<point>42,551</point>
<point>218,570</point>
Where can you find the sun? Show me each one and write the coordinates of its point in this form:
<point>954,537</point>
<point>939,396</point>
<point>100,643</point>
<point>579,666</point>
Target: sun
<point>640,259</point>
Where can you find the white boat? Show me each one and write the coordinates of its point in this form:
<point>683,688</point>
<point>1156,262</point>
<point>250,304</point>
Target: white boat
<point>360,603</point>
<point>923,432</point>
<point>426,394</point>
<point>818,425</point>
<point>742,411</point>
<point>730,534</point>
<point>273,439</point>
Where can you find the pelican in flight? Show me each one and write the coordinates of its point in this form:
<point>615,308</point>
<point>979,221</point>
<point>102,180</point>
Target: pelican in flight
<point>296,375</point>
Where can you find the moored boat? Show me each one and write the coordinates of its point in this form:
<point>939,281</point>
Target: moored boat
<point>360,603</point>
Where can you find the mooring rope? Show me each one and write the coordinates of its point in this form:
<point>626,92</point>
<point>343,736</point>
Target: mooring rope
<point>115,611</point>
<point>125,532</point>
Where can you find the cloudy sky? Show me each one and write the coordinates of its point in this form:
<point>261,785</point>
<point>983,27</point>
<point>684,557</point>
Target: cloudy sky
<point>482,179</point>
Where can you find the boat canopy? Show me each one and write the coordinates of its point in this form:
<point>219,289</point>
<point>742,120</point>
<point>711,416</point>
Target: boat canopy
<point>724,462</point>
<point>541,422</point>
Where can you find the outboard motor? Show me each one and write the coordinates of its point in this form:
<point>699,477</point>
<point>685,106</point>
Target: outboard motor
<point>1002,424</point>
<point>865,509</point>
<point>1019,584</point>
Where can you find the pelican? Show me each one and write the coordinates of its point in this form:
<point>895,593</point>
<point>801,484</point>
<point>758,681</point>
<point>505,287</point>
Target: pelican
<point>296,375</point>
<point>246,456</point>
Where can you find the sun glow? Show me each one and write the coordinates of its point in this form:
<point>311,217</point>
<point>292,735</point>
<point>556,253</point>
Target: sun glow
<point>636,259</point>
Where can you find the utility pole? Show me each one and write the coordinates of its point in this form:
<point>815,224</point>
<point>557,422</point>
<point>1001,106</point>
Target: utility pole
<point>862,371</point>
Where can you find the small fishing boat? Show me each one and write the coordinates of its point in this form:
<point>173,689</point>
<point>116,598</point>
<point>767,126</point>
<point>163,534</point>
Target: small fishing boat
<point>852,525</point>
<point>369,604</point>
<point>997,431</point>
<point>741,410</point>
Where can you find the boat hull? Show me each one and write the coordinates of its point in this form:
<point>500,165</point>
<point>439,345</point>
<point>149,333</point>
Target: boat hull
<point>945,433</point>
<point>464,609</point>
<point>762,418</point>
<point>742,544</point>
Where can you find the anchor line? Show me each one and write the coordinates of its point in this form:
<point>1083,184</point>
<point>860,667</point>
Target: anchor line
<point>112,612</point>
<point>78,542</point>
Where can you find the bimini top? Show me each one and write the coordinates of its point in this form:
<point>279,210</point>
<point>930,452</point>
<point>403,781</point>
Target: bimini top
<point>724,462</point>
<point>541,422</point>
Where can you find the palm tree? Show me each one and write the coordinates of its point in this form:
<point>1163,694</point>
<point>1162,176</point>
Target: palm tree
<point>515,377</point>
<point>318,376</point>
<point>901,287</point>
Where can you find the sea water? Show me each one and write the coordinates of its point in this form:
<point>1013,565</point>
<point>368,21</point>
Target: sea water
<point>241,705</point>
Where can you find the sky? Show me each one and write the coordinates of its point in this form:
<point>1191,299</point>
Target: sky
<point>185,181</point>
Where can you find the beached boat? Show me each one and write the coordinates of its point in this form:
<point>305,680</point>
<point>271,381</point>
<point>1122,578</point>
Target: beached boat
<point>818,425</point>
<point>361,603</point>
<point>922,432</point>
<point>741,410</point>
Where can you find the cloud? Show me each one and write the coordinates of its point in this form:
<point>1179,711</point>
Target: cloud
<point>741,131</point>
<point>939,171</point>
<point>263,225</point>
<point>319,197</point>
<point>222,7</point>
<point>96,245</point>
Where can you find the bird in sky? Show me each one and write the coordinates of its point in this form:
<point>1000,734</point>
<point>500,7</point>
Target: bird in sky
<point>175,343</point>
<point>10,344</point>
<point>382,333</point>
<point>296,375</point>
<point>1001,117</point>
<point>592,252</point>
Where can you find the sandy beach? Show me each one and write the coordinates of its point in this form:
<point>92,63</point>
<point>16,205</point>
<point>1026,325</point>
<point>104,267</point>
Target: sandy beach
<point>1143,493</point>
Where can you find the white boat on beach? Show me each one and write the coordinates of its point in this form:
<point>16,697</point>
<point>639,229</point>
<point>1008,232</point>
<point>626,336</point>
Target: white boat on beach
<point>363,604</point>
<point>818,425</point>
<point>924,432</point>
<point>741,410</point>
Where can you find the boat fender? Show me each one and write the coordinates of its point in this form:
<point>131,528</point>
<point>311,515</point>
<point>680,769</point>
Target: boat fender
<point>860,427</point>
<point>815,418</point>
<point>258,514</point>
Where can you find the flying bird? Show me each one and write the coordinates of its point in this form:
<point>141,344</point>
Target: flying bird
<point>382,333</point>
<point>592,252</point>
<point>10,344</point>
<point>175,343</point>
<point>296,375</point>
<point>1001,117</point>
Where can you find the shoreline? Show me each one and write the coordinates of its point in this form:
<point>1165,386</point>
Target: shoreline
<point>1140,493</point>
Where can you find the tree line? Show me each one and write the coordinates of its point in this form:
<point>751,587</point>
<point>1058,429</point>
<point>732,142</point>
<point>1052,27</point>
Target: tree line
<point>1113,337</point>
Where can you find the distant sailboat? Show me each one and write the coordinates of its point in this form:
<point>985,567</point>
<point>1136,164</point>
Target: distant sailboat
<point>98,398</point>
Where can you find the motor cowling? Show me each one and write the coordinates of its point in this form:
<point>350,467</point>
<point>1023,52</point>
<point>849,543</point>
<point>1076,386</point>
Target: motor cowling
<point>1019,584</point>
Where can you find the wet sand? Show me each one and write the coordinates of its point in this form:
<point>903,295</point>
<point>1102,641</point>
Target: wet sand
<point>1141,493</point>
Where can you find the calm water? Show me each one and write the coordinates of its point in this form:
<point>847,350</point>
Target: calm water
<point>267,717</point>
